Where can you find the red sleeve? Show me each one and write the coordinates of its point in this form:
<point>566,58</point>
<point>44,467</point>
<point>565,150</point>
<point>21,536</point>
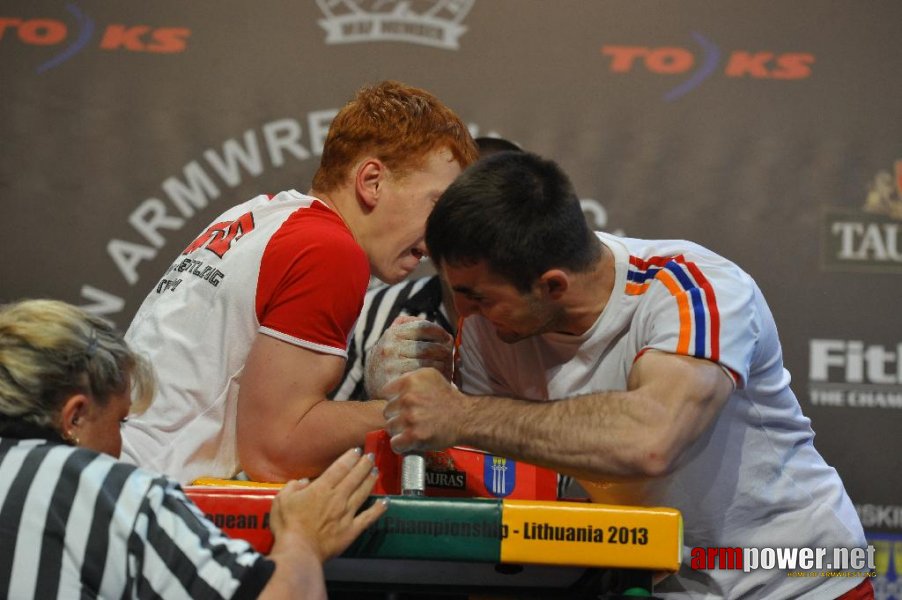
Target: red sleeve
<point>313,277</point>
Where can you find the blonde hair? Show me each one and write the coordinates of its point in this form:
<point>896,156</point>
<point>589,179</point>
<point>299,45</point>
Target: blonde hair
<point>50,350</point>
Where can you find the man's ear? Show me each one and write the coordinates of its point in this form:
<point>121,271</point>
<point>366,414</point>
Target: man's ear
<point>369,179</point>
<point>555,282</point>
<point>72,415</point>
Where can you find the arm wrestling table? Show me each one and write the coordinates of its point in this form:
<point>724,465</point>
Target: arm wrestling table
<point>529,548</point>
<point>486,526</point>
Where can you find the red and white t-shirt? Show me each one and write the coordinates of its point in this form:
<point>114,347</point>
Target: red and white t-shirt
<point>285,266</point>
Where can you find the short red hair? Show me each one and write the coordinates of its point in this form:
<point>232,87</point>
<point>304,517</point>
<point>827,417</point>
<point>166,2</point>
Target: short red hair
<point>396,123</point>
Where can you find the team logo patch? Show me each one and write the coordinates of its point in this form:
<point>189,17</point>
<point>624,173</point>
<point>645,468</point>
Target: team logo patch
<point>499,475</point>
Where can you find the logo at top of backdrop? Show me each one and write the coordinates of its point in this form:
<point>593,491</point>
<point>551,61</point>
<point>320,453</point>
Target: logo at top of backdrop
<point>80,32</point>
<point>705,60</point>
<point>434,23</point>
<point>868,239</point>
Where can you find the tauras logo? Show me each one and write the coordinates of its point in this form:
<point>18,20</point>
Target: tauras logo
<point>852,373</point>
<point>434,23</point>
<point>441,472</point>
<point>869,239</point>
<point>456,480</point>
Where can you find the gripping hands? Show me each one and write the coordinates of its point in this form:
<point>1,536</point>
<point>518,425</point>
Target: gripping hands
<point>410,343</point>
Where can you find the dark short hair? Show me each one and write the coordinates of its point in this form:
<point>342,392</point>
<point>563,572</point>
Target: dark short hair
<point>517,212</point>
<point>488,146</point>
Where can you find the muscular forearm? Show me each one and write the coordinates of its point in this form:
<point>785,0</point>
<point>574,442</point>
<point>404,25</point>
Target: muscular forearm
<point>327,430</point>
<point>599,436</point>
<point>605,436</point>
<point>610,436</point>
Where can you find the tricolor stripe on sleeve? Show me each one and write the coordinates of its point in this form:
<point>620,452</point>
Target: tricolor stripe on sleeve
<point>696,302</point>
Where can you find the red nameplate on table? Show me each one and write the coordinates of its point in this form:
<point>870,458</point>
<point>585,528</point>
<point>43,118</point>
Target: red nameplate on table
<point>241,508</point>
<point>461,472</point>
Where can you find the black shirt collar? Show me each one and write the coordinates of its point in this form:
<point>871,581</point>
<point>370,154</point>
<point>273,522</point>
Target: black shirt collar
<point>16,428</point>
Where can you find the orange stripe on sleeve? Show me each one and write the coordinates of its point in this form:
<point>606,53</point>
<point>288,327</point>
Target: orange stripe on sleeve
<point>636,289</point>
<point>683,304</point>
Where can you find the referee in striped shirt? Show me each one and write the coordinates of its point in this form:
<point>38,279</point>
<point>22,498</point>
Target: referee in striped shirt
<point>75,522</point>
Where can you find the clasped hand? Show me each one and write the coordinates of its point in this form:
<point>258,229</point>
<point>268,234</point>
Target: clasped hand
<point>410,367</point>
<point>424,412</point>
<point>410,343</point>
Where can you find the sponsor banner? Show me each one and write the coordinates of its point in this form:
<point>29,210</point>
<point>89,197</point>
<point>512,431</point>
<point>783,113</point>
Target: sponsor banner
<point>855,374</point>
<point>881,517</point>
<point>704,59</point>
<point>868,239</point>
<point>62,35</point>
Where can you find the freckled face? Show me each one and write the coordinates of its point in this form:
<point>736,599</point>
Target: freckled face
<point>404,207</point>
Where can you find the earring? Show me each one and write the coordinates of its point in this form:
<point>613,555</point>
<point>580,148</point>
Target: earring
<point>71,438</point>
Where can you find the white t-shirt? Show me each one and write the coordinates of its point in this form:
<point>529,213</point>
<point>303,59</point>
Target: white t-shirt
<point>266,266</point>
<point>754,479</point>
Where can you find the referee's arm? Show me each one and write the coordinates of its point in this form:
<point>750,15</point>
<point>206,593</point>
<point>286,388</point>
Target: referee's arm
<point>175,552</point>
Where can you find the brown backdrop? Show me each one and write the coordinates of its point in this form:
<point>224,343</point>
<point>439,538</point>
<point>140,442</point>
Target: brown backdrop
<point>768,131</point>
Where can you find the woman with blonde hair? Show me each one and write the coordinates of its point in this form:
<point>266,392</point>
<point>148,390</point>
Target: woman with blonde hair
<point>75,521</point>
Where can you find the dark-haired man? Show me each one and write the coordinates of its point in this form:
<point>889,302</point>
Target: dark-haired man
<point>649,369</point>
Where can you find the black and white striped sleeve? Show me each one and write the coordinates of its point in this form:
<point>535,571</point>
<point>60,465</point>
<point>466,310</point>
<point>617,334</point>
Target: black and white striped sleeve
<point>176,553</point>
<point>75,523</point>
<point>381,306</point>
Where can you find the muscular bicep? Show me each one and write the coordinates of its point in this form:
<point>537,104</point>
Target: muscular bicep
<point>684,396</point>
<point>280,385</point>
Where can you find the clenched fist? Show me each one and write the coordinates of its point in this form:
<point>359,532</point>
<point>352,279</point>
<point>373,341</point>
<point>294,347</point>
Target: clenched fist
<point>410,343</point>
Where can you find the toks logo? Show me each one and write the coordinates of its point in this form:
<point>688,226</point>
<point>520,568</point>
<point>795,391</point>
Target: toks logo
<point>434,23</point>
<point>674,60</point>
<point>869,239</point>
<point>73,38</point>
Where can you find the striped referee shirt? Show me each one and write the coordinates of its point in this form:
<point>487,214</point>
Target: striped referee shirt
<point>420,297</point>
<point>75,523</point>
